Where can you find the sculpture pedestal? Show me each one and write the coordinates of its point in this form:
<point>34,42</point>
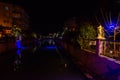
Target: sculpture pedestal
<point>100,44</point>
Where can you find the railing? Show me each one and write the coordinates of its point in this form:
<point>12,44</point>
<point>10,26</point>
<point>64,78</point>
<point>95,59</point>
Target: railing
<point>112,49</point>
<point>109,48</point>
<point>88,45</point>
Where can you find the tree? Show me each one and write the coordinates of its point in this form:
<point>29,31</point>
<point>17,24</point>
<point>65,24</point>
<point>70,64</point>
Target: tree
<point>86,33</point>
<point>16,31</point>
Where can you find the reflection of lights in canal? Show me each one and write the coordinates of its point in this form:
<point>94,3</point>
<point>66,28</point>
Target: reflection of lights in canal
<point>18,52</point>
<point>18,44</point>
<point>50,47</point>
<point>17,62</point>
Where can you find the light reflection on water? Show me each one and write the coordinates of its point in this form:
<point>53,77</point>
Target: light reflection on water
<point>18,52</point>
<point>18,60</point>
<point>18,56</point>
<point>18,44</point>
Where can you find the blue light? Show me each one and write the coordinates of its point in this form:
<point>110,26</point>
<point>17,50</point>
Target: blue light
<point>50,47</point>
<point>18,44</point>
<point>112,27</point>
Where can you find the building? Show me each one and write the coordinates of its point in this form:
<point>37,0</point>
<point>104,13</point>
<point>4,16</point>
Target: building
<point>12,16</point>
<point>71,24</point>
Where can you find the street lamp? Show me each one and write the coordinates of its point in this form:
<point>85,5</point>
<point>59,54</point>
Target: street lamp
<point>115,33</point>
<point>114,41</point>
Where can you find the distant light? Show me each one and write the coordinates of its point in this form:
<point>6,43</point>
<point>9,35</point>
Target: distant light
<point>0,35</point>
<point>112,26</point>
<point>50,47</point>
<point>6,8</point>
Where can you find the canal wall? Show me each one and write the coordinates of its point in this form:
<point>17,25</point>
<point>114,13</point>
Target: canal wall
<point>97,66</point>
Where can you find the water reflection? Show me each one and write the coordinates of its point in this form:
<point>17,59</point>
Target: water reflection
<point>18,60</point>
<point>18,56</point>
<point>18,44</point>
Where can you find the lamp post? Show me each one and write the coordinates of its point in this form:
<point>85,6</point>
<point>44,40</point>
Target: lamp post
<point>115,42</point>
<point>115,33</point>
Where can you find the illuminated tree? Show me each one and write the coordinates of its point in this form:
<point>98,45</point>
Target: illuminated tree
<point>16,31</point>
<point>86,33</point>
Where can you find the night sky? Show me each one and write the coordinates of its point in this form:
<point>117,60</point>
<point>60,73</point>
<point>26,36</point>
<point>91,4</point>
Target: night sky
<point>49,16</point>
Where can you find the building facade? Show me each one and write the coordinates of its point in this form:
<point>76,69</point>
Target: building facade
<point>12,16</point>
<point>71,24</point>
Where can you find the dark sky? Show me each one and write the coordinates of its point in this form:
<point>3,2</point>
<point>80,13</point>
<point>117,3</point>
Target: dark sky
<point>49,15</point>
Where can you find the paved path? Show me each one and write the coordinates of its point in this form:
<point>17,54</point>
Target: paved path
<point>98,67</point>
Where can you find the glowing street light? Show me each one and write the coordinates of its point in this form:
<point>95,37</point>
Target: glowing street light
<point>114,28</point>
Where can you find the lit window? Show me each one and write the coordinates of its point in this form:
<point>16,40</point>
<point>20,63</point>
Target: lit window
<point>6,8</point>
